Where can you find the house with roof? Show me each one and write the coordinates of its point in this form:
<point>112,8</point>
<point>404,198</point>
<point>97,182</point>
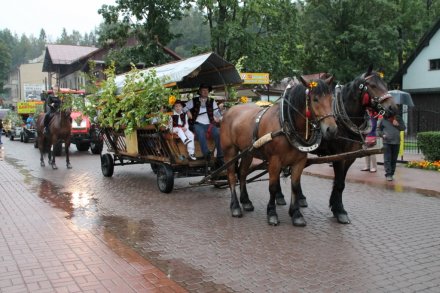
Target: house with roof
<point>65,64</point>
<point>420,76</point>
<point>26,82</point>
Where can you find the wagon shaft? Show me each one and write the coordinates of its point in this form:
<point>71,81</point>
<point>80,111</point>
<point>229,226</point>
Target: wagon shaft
<point>344,156</point>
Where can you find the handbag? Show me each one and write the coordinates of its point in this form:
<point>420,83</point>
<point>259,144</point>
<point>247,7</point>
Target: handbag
<point>370,141</point>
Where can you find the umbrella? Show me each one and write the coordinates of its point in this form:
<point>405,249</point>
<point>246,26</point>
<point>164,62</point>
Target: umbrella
<point>401,97</point>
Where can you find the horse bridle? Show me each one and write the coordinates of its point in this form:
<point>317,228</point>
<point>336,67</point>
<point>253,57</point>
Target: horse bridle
<point>290,131</point>
<point>370,101</point>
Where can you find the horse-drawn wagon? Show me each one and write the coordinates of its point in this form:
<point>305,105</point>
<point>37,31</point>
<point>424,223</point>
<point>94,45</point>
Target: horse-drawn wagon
<point>155,144</point>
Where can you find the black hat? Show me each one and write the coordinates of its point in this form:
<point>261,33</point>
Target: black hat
<point>179,102</point>
<point>205,86</point>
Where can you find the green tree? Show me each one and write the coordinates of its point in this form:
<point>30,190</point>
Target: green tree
<point>5,64</point>
<point>192,34</point>
<point>262,30</point>
<point>145,21</point>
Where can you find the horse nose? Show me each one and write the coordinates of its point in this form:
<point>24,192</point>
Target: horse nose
<point>330,132</point>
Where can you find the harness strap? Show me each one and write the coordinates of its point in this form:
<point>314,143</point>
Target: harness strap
<point>257,124</point>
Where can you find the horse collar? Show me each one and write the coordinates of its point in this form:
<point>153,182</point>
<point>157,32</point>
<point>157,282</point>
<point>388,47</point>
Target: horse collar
<point>292,136</point>
<point>343,118</point>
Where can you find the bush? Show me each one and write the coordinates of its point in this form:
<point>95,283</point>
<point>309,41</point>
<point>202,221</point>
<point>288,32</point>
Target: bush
<point>429,144</point>
<point>142,101</point>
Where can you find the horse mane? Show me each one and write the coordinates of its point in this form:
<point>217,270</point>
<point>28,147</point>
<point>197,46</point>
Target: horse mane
<point>296,96</point>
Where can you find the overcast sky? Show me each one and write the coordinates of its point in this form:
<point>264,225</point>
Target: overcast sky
<point>30,16</point>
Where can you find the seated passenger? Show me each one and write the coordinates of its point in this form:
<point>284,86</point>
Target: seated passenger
<point>181,128</point>
<point>204,114</point>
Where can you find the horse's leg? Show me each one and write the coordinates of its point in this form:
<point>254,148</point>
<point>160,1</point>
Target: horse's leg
<point>294,209</point>
<point>340,168</point>
<point>66,148</point>
<point>274,169</point>
<point>244,196</point>
<point>301,197</point>
<point>41,147</point>
<point>52,157</point>
<point>280,196</point>
<point>235,207</point>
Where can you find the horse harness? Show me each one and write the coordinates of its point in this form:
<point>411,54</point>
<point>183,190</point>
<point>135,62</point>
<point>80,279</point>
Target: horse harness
<point>288,129</point>
<point>368,102</point>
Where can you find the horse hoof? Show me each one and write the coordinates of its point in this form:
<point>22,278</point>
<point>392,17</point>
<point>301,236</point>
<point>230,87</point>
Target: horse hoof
<point>342,218</point>
<point>280,201</point>
<point>236,213</point>
<point>42,164</point>
<point>248,207</point>
<point>54,167</point>
<point>303,203</point>
<point>69,166</point>
<point>299,222</point>
<point>273,220</point>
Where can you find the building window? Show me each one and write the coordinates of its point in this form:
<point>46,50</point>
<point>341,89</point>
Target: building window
<point>434,64</point>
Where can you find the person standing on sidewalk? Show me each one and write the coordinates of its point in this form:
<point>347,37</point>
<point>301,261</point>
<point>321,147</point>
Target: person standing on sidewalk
<point>1,131</point>
<point>370,142</point>
<point>389,129</point>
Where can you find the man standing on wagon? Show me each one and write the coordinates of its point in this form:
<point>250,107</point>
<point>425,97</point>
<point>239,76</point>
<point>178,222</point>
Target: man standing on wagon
<point>204,114</point>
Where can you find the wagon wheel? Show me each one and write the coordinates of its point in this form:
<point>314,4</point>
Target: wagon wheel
<point>165,178</point>
<point>107,166</point>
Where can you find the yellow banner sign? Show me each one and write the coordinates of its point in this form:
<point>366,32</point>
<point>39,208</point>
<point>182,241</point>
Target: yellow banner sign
<point>28,107</point>
<point>254,78</point>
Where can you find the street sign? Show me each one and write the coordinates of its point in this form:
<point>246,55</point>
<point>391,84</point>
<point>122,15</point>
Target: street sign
<point>28,107</point>
<point>254,78</point>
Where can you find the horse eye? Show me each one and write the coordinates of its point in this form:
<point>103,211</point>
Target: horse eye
<point>315,99</point>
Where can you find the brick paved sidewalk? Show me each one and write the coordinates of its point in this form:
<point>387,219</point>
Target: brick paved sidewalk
<point>41,251</point>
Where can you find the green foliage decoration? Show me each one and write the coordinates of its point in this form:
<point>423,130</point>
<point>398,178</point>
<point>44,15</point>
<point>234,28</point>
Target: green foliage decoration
<point>429,143</point>
<point>142,101</point>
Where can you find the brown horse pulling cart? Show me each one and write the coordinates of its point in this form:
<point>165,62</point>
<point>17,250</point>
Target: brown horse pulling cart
<point>165,153</point>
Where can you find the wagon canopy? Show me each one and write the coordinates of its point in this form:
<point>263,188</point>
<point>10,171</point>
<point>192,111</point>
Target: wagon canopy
<point>190,73</point>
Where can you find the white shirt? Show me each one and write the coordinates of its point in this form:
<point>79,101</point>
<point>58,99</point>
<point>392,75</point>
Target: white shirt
<point>203,117</point>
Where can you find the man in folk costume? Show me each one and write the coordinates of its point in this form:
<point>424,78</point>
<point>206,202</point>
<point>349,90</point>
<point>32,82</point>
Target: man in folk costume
<point>181,128</point>
<point>204,114</point>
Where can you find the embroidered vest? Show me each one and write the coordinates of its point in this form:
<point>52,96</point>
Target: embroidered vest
<point>196,109</point>
<point>176,120</point>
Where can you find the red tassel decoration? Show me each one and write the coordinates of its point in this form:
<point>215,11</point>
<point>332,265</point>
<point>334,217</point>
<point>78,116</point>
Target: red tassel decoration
<point>365,99</point>
<point>308,114</point>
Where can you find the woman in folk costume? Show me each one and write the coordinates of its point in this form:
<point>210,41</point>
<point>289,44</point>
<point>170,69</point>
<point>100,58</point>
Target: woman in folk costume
<point>181,128</point>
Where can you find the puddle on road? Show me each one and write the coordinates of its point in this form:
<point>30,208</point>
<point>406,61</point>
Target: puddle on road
<point>122,235</point>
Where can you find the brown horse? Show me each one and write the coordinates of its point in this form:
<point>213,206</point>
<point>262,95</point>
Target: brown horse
<point>367,91</point>
<point>282,135</point>
<point>60,127</point>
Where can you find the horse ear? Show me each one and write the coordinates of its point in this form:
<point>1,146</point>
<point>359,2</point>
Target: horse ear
<point>329,80</point>
<point>305,83</point>
<point>369,70</point>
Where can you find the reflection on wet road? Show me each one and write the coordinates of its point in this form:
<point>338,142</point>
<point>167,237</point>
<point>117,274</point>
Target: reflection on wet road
<point>189,234</point>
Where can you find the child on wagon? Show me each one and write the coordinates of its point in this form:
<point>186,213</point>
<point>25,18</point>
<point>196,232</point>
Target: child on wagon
<point>181,128</point>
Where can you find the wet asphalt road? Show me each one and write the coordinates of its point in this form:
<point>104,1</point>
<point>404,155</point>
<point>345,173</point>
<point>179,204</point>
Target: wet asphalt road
<point>392,245</point>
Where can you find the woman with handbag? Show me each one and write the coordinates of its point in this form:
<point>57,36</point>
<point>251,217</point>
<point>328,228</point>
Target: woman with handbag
<point>370,142</point>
